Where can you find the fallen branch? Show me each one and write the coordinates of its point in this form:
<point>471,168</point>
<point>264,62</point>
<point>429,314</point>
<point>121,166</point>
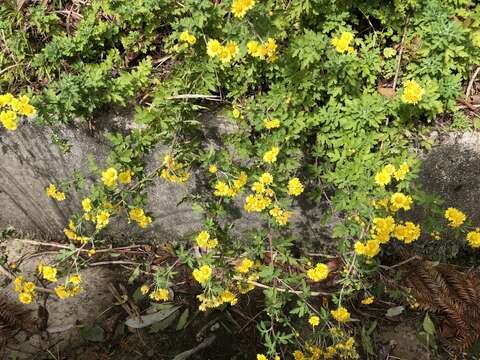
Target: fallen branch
<point>470,83</point>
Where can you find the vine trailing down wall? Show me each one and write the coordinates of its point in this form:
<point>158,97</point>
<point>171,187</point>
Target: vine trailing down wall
<point>328,99</point>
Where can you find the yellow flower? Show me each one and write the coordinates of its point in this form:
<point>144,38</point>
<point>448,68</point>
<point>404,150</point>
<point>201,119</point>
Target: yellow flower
<point>400,201</point>
<point>240,7</point>
<point>298,355</point>
<point>62,292</point>
<point>266,178</point>
<point>70,234</point>
<point>253,48</point>
<point>74,279</point>
<point>389,52</point>
<point>109,177</point>
<point>401,172</point>
<point>19,280</point>
<point>9,120</point>
<point>341,314</point>
<point>91,252</point>
<point>29,287</point>
<point>455,217</point>
<point>188,38</point>
<point>87,205</point>
<point>473,238</point>
<point>389,169</point>
<point>368,300</point>
<point>160,295</point>
<point>232,49</point>
<point>125,177</point>
<point>25,297</point>
<point>258,187</point>
<point>229,297</point>
<point>102,219</point>
<point>212,169</point>
<point>342,44</point>
<point>408,232</point>
<point>370,249</point>
<point>295,187</point>
<point>5,99</point>
<point>202,274</point>
<point>256,203</point>
<point>314,320</point>
<point>261,357</point>
<point>244,266</point>
<point>144,289</point>
<point>213,47</point>
<point>271,124</point>
<point>204,241</point>
<point>49,273</point>
<point>271,155</point>
<point>382,178</point>
<point>319,272</point>
<point>222,189</point>
<point>54,193</point>
<point>412,92</point>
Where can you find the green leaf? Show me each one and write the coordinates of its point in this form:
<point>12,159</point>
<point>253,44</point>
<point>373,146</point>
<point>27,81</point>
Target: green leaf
<point>395,311</point>
<point>428,325</point>
<point>92,333</point>
<point>182,322</point>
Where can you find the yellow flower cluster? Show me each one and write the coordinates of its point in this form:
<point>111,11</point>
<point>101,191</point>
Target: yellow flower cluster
<point>244,266</point>
<point>174,171</point>
<point>225,53</point>
<point>71,233</point>
<point>318,273</point>
<point>271,124</point>
<point>340,314</point>
<point>281,216</point>
<point>473,238</point>
<point>382,228</point>
<point>48,272</point>
<point>412,92</point>
<point>240,7</point>
<point>263,357</point>
<point>202,274</point>
<point>342,44</point>
<point>266,51</point>
<point>190,39</point>
<point>245,285</point>
<point>384,177</point>
<point>13,107</point>
<point>139,216</point>
<point>223,189</point>
<point>455,217</point>
<point>205,242</point>
<point>160,294</point>
<point>370,249</point>
<point>295,187</point>
<point>271,155</point>
<point>346,350</point>
<point>70,288</point>
<point>256,203</point>
<point>54,193</point>
<point>407,232</point>
<point>211,302</point>
<point>400,201</point>
<point>25,290</point>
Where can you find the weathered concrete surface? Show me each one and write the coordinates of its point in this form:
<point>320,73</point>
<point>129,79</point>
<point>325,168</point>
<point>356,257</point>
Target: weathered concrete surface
<point>61,332</point>
<point>30,161</point>
<point>451,172</point>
